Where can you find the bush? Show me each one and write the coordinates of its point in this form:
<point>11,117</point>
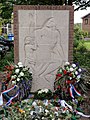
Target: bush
<point>81,49</point>
<point>83,59</point>
<point>7,59</point>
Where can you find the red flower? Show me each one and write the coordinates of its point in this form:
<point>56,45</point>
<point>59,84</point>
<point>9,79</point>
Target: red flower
<point>54,88</point>
<point>7,67</point>
<point>58,87</point>
<point>68,81</point>
<point>70,75</point>
<point>8,76</point>
<point>11,67</point>
<point>65,72</point>
<point>58,75</point>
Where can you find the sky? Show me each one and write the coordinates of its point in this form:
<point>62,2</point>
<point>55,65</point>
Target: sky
<point>79,14</point>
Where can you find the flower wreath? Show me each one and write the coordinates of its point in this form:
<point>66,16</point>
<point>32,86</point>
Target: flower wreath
<point>19,77</point>
<point>66,81</point>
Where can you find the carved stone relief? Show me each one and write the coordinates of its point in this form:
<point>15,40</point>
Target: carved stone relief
<point>44,44</point>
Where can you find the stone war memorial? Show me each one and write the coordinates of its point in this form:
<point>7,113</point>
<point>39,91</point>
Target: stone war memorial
<point>44,83</point>
<point>43,40</point>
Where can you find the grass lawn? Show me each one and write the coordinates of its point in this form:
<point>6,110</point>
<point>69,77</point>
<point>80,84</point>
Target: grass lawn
<point>87,44</point>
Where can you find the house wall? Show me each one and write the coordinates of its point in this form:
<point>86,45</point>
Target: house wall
<point>86,26</point>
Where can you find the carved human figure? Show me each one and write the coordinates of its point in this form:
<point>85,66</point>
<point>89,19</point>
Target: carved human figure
<point>44,52</point>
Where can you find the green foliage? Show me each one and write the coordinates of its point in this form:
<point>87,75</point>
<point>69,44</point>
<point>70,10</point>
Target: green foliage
<point>81,47</point>
<point>36,110</point>
<point>79,33</point>
<point>81,52</point>
<point>87,45</point>
<point>7,59</point>
<point>6,6</point>
<point>83,59</point>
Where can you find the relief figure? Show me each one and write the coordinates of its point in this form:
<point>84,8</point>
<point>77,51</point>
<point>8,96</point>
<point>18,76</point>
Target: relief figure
<point>44,52</point>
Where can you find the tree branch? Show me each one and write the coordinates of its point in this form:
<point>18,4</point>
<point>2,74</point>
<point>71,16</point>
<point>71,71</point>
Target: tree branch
<point>84,5</point>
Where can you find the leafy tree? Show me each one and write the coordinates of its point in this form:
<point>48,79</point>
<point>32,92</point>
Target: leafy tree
<point>79,34</point>
<point>6,6</point>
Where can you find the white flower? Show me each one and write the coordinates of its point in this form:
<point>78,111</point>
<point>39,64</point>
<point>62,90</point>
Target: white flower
<point>18,79</point>
<point>30,71</point>
<point>56,108</point>
<point>31,113</point>
<point>25,69</point>
<point>56,113</point>
<point>17,71</point>
<point>43,118</point>
<point>34,103</point>
<point>73,65</point>
<point>19,63</point>
<point>42,91</point>
<point>16,66</point>
<point>71,69</point>
<point>40,109</point>
<point>13,77</point>
<point>39,92</point>
<point>78,76</point>
<point>46,111</point>
<point>45,90</point>
<point>79,70</point>
<point>13,82</point>
<point>50,115</point>
<point>46,114</point>
<point>88,83</point>
<point>67,63</point>
<point>76,73</point>
<point>21,74</point>
<point>70,78</point>
<point>53,119</point>
<point>58,119</point>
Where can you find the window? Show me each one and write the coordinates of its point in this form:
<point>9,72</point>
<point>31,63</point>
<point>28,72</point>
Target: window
<point>9,25</point>
<point>86,21</point>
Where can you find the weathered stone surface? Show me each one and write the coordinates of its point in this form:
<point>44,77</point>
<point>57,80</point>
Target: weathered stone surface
<point>43,43</point>
<point>43,39</point>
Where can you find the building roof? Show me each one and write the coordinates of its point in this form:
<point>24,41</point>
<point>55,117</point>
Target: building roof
<point>86,16</point>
